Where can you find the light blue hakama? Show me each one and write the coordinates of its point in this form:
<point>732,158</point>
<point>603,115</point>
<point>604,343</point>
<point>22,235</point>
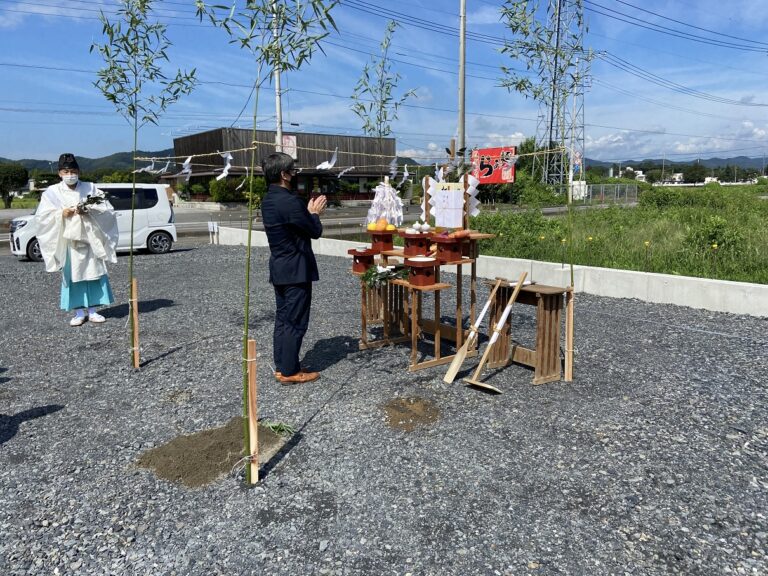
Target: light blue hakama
<point>83,294</point>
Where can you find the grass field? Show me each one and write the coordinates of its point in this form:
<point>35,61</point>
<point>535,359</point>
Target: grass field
<point>712,231</point>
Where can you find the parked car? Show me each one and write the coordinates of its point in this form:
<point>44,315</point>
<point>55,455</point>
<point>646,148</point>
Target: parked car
<point>153,227</point>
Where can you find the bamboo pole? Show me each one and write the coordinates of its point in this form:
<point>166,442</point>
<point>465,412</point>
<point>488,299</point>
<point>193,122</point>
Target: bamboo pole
<point>569,335</point>
<point>253,415</point>
<point>134,298</point>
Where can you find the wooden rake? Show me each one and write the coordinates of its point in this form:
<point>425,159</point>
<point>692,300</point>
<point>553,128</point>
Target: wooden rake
<point>461,353</point>
<point>474,380</point>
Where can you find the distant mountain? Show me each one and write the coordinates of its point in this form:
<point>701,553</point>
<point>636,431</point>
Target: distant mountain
<point>739,161</point>
<point>123,161</point>
<point>118,161</point>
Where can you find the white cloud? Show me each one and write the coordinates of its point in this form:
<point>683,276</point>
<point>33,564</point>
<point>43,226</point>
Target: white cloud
<point>495,140</point>
<point>485,15</point>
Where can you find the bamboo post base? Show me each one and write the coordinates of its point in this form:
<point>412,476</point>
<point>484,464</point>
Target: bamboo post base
<point>569,335</point>
<point>253,427</point>
<point>134,301</point>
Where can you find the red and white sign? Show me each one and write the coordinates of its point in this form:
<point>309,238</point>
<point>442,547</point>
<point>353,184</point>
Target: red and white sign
<point>494,165</point>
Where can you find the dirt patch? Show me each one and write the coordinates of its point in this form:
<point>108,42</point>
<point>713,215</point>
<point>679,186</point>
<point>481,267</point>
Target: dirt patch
<point>201,458</point>
<point>407,414</point>
<point>180,396</point>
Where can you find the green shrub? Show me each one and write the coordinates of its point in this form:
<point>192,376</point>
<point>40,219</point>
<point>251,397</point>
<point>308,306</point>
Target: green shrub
<point>259,187</point>
<point>714,232</point>
<point>660,197</point>
<point>224,190</point>
<point>198,190</point>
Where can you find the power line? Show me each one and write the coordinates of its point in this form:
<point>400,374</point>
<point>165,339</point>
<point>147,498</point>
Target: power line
<point>691,25</point>
<point>658,80</point>
<point>660,104</point>
<point>670,31</point>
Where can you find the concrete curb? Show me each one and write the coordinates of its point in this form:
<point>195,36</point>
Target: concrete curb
<point>704,293</point>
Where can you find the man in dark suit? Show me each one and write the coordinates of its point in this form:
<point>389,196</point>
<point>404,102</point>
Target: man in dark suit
<point>290,228</point>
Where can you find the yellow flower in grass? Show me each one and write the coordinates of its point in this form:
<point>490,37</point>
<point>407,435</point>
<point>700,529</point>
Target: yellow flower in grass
<point>714,246</point>
<point>589,238</point>
<point>563,241</point>
<point>542,237</point>
<point>647,243</point>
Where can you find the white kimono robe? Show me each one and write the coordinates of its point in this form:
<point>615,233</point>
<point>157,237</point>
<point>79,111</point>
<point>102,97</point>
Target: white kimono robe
<point>89,238</point>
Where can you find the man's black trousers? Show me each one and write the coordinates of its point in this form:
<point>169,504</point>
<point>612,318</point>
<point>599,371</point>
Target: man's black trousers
<point>292,303</point>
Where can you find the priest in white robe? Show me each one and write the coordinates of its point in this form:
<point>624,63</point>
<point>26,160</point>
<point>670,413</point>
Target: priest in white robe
<point>78,237</point>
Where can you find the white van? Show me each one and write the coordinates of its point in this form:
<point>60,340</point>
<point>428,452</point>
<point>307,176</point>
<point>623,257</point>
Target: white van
<point>153,226</point>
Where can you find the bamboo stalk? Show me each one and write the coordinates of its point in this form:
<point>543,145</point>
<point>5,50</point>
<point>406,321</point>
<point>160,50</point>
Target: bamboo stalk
<point>253,427</point>
<point>569,335</point>
<point>134,297</point>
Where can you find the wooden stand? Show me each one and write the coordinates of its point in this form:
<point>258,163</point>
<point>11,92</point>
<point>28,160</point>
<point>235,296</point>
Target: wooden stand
<point>545,358</point>
<point>381,240</point>
<point>385,305</point>
<point>361,259</point>
<point>415,294</point>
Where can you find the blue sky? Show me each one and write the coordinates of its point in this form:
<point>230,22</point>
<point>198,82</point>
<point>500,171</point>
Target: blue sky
<point>684,98</point>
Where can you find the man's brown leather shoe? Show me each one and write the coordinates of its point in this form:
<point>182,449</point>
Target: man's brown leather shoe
<point>298,378</point>
<point>279,374</point>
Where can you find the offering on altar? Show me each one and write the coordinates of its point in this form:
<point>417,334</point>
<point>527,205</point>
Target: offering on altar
<point>421,270</point>
<point>386,207</point>
<point>362,258</point>
<point>381,240</point>
<point>450,245</point>
<point>415,243</point>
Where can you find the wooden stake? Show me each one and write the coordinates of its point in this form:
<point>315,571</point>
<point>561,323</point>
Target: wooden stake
<point>134,298</point>
<point>569,335</point>
<point>253,426</point>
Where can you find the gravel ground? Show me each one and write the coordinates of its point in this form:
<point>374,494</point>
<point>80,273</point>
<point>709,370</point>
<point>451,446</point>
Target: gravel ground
<point>653,461</point>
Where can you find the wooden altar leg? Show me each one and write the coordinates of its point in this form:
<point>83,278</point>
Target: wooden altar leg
<point>473,292</point>
<point>548,339</point>
<point>437,314</point>
<point>459,310</point>
<point>414,325</point>
<point>364,313</point>
<point>385,309</point>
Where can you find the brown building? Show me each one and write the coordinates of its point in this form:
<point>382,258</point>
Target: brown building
<point>364,159</point>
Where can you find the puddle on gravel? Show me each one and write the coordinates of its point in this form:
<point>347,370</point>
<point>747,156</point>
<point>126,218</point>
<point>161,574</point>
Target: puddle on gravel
<point>199,459</point>
<point>407,414</point>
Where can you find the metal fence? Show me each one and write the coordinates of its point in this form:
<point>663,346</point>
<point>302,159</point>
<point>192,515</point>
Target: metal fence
<point>588,194</point>
<point>611,194</point>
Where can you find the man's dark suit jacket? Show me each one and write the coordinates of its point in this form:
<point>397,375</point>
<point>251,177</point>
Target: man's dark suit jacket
<point>290,228</point>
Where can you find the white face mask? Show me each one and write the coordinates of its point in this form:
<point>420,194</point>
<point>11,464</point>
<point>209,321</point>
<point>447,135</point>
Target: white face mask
<point>70,179</point>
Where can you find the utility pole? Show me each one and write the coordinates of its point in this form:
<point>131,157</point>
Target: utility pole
<point>278,92</point>
<point>462,60</point>
<point>663,161</point>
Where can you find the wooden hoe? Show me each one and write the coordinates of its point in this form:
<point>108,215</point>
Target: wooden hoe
<point>461,354</point>
<point>494,337</point>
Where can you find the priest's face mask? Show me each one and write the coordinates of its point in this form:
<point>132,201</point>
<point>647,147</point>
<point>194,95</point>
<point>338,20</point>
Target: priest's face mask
<point>69,176</point>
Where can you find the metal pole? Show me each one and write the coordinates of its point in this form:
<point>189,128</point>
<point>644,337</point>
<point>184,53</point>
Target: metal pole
<point>278,92</point>
<point>462,60</point>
